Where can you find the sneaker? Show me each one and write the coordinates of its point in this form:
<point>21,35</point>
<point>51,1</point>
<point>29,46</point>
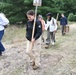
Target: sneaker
<point>63,33</point>
<point>32,63</point>
<point>53,43</point>
<point>46,46</point>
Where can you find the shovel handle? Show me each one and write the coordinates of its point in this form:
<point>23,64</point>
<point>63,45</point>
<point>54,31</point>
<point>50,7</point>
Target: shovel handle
<point>32,44</point>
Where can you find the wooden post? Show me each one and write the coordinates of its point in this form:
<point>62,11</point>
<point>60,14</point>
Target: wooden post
<point>35,3</point>
<point>34,27</point>
<point>57,16</point>
<point>57,21</point>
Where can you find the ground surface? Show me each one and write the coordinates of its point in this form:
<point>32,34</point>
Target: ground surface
<point>57,60</point>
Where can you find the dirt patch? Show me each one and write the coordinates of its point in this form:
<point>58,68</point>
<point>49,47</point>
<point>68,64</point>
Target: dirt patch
<point>57,60</point>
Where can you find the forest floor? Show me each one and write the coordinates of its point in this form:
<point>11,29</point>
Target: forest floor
<point>57,60</point>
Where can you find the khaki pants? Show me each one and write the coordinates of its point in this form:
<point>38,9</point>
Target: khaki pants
<point>34,54</point>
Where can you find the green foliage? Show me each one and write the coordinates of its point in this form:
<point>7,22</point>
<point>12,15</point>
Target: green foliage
<point>72,17</point>
<point>75,18</point>
<point>16,10</point>
<point>4,5</point>
<point>15,19</point>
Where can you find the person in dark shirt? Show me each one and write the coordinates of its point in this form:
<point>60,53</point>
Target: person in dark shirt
<point>34,54</point>
<point>37,31</point>
<point>63,23</point>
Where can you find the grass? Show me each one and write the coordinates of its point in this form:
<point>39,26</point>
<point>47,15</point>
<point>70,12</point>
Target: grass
<point>17,71</point>
<point>17,33</point>
<point>64,44</point>
<point>13,33</point>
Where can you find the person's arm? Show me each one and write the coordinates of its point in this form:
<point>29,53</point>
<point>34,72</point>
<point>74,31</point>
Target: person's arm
<point>43,25</point>
<point>39,30</point>
<point>26,26</point>
<point>4,21</point>
<point>38,34</point>
<point>55,22</point>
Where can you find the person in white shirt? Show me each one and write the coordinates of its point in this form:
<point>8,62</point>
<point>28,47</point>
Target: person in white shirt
<point>51,27</point>
<point>3,22</point>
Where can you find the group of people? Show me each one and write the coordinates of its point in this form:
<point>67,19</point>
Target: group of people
<point>40,25</point>
<point>50,26</point>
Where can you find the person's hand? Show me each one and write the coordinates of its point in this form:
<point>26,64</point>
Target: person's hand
<point>32,43</point>
<point>55,31</point>
<point>33,40</point>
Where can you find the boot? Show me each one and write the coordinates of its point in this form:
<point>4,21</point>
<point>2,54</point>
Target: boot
<point>46,46</point>
<point>32,63</point>
<point>35,67</point>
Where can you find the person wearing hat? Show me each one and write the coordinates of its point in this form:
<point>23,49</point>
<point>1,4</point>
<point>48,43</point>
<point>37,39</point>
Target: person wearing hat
<point>43,25</point>
<point>3,22</point>
<point>51,27</point>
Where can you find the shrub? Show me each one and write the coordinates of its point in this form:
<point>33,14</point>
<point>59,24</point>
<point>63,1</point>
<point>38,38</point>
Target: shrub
<point>15,19</point>
<point>71,17</point>
<point>75,17</point>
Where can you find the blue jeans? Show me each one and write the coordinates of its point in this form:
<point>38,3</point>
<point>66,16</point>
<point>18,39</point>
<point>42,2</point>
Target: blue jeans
<point>1,45</point>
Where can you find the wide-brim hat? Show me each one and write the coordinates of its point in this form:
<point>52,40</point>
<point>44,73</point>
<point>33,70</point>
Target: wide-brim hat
<point>49,14</point>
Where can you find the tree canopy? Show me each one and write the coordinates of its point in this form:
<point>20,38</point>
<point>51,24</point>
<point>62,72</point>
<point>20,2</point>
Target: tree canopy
<point>16,10</point>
